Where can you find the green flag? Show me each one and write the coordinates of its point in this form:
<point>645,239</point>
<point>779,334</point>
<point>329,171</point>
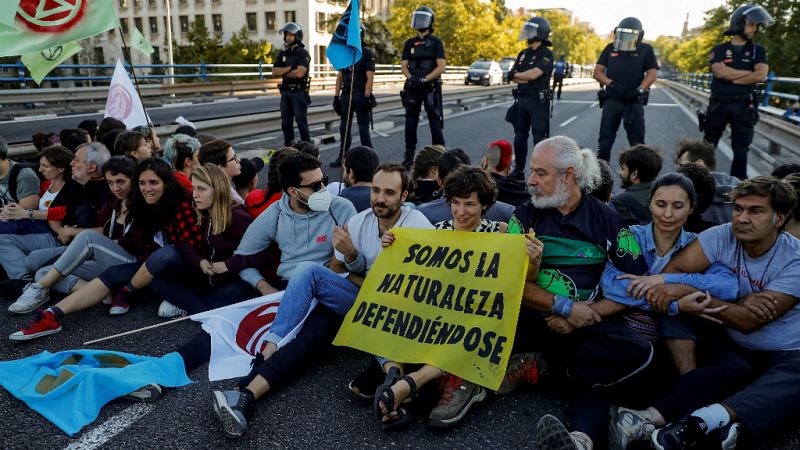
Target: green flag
<point>139,42</point>
<point>43,62</point>
<point>8,12</point>
<point>43,24</point>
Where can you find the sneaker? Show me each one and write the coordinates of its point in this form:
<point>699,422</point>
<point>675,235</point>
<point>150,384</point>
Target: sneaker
<point>146,394</point>
<point>33,296</point>
<point>525,367</point>
<point>43,323</point>
<point>119,305</point>
<point>729,436</point>
<point>108,299</point>
<point>12,289</point>
<point>167,310</point>
<point>367,381</point>
<point>553,435</point>
<point>683,434</point>
<point>232,408</point>
<point>458,395</point>
<point>626,426</point>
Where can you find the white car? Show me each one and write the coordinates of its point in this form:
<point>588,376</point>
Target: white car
<point>485,72</point>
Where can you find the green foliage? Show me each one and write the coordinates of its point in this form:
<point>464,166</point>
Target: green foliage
<point>377,38</point>
<point>577,43</point>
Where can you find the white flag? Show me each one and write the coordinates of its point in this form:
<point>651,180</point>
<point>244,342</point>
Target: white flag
<point>237,334</point>
<point>123,102</point>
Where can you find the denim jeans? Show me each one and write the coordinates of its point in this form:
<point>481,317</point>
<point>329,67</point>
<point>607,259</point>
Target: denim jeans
<point>15,248</point>
<point>311,281</point>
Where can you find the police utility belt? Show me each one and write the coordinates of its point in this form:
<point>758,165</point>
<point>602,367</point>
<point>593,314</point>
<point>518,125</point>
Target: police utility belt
<point>284,87</point>
<point>735,98</point>
<point>542,94</point>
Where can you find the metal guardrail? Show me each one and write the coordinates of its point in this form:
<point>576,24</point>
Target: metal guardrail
<point>782,136</point>
<point>702,82</point>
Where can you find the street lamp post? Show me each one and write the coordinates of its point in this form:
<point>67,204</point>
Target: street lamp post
<point>171,69</point>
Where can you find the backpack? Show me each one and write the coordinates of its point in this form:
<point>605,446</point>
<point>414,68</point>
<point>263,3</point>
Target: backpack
<point>14,174</point>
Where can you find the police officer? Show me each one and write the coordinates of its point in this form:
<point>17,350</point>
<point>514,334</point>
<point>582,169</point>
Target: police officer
<point>531,71</point>
<point>360,76</point>
<point>738,65</point>
<point>627,68</point>
<point>422,62</point>
<point>559,72</point>
<point>292,65</point>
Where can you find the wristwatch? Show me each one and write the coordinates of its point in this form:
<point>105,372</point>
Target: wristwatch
<point>30,214</point>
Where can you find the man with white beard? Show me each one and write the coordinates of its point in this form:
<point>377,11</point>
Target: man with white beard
<point>560,328</point>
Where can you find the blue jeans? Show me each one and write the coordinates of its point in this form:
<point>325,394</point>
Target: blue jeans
<point>311,281</point>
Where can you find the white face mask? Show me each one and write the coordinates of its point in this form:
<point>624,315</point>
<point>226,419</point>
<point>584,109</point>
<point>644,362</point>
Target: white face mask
<point>319,201</point>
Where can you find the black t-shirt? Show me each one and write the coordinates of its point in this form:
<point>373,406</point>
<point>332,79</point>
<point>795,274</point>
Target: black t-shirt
<point>295,56</point>
<point>422,53</point>
<point>627,68</point>
<point>541,58</point>
<point>364,65</point>
<point>511,190</point>
<point>740,57</point>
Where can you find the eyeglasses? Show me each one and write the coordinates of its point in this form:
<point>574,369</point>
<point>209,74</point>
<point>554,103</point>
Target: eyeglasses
<point>235,158</point>
<point>317,185</point>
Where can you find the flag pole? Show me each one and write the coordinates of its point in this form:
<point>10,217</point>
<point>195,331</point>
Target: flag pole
<point>158,325</point>
<point>127,53</point>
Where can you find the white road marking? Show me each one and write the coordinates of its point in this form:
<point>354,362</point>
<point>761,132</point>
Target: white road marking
<point>253,141</point>
<point>117,424</point>
<point>568,121</point>
<point>594,102</point>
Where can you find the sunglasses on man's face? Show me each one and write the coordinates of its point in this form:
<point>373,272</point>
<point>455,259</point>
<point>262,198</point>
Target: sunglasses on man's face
<point>317,185</point>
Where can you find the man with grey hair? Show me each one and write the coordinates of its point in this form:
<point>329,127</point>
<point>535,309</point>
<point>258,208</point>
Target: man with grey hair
<point>558,323</point>
<point>73,210</point>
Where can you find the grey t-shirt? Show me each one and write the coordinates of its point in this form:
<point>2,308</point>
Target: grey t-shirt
<point>777,270</point>
<point>27,184</point>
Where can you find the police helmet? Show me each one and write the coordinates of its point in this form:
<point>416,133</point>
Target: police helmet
<point>745,14</point>
<point>292,28</point>
<point>628,35</point>
<point>422,19</point>
<point>535,29</point>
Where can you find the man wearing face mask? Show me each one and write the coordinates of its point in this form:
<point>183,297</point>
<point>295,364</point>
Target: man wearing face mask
<point>422,63</point>
<point>738,66</point>
<point>292,65</point>
<point>627,68</point>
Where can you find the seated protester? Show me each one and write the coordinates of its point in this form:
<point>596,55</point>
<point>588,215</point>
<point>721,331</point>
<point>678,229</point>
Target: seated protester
<point>638,167</point>
<point>187,130</point>
<point>109,138</point>
<point>181,152</point>
<point>497,163</point>
<point>360,164</point>
<point>438,210</point>
<point>41,140</point>
<point>185,275</point>
<point>558,325</point>
<point>470,192</point>
<point>784,170</point>
<point>72,138</point>
<point>107,125</point>
<point>703,154</point>
<point>150,136</point>
<point>603,191</point>
<point>705,187</point>
<point>357,246</point>
<point>75,209</point>
<point>220,152</point>
<point>90,126</point>
<point>308,148</point>
<point>424,186</point>
<point>115,219</point>
<point>247,180</point>
<point>133,144</point>
<point>260,199</point>
<point>162,215</point>
<point>793,224</point>
<point>762,324</point>
<point>18,184</point>
<point>54,165</point>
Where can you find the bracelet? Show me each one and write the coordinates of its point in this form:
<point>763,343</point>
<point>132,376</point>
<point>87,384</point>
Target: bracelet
<point>562,306</point>
<point>30,214</point>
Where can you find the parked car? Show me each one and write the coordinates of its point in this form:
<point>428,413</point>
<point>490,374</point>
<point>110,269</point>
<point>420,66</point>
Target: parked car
<point>506,64</point>
<point>485,72</point>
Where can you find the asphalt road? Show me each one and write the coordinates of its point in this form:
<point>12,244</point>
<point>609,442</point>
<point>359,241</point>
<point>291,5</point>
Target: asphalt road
<point>316,410</point>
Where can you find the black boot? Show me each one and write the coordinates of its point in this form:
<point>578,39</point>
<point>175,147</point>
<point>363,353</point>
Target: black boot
<point>408,161</point>
<point>337,162</point>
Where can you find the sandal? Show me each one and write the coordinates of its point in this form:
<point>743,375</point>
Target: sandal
<point>385,394</point>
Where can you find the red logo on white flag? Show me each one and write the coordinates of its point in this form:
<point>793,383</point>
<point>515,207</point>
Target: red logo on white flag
<point>51,16</point>
<point>120,102</point>
<point>254,326</point>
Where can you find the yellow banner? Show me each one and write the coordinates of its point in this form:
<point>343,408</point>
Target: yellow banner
<point>446,298</point>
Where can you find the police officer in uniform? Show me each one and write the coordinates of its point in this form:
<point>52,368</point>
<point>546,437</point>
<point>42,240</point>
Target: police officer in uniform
<point>738,65</point>
<point>422,62</point>
<point>559,72</point>
<point>292,65</point>
<point>531,71</point>
<point>627,68</point>
<point>360,76</point>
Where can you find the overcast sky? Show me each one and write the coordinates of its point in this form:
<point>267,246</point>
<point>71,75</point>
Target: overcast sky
<point>657,17</point>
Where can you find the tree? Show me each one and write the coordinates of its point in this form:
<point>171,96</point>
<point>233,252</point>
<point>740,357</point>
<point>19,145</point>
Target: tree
<point>378,38</point>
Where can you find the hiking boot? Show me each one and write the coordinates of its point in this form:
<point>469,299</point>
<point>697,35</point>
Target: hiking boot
<point>43,323</point>
<point>684,434</point>
<point>12,289</point>
<point>367,381</point>
<point>525,367</point>
<point>626,426</point>
<point>458,395</point>
<point>336,163</point>
<point>729,436</point>
<point>145,394</point>
<point>167,310</point>
<point>33,296</point>
<point>233,408</point>
<point>551,434</point>
<point>119,305</point>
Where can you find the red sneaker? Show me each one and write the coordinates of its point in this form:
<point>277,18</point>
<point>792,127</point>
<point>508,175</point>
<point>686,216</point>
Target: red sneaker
<point>120,304</point>
<point>43,323</point>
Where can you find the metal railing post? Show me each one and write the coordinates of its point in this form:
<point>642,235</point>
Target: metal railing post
<point>768,89</point>
<point>203,71</point>
<point>21,73</point>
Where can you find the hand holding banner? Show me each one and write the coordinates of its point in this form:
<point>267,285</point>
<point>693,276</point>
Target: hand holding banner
<point>438,297</point>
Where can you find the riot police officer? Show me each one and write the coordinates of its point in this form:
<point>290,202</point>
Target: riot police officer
<point>627,68</point>
<point>422,63</point>
<point>738,65</point>
<point>531,71</point>
<point>292,65</point>
<point>360,77</point>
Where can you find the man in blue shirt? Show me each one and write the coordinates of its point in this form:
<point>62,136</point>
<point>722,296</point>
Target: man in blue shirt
<point>559,72</point>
